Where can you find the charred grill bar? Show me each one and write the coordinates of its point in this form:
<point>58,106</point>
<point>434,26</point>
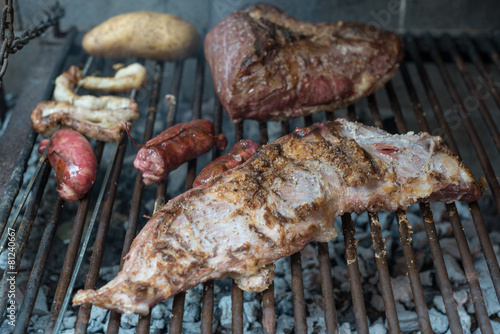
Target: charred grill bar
<point>438,51</point>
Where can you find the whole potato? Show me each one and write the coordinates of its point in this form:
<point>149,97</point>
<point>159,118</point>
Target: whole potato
<point>150,35</point>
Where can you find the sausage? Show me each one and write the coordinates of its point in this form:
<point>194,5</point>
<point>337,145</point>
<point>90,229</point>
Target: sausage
<point>239,153</point>
<point>74,163</point>
<point>175,146</point>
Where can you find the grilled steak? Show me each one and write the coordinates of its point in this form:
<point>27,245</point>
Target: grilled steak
<point>267,65</point>
<point>273,205</point>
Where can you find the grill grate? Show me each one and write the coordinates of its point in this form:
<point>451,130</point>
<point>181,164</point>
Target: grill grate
<point>443,55</point>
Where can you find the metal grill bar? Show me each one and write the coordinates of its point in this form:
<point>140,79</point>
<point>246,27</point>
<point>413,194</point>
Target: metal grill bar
<point>476,59</point>
<point>384,277</point>
<point>72,251</point>
<point>38,269</point>
<point>114,320</point>
<point>476,141</point>
<point>472,88</point>
<point>23,232</point>
<point>430,227</point>
<point>325,269</point>
<point>358,302</point>
<point>405,227</point>
<point>100,239</point>
<point>269,315</point>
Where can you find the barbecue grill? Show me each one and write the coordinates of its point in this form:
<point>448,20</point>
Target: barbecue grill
<point>440,88</point>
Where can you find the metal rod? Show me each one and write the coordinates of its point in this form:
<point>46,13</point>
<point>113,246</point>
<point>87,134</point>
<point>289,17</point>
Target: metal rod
<point>358,301</point>
<point>27,191</point>
<point>441,274</point>
<point>431,94</point>
<point>236,310</point>
<point>177,313</point>
<point>35,278</point>
<point>325,269</point>
<point>485,113</point>
<point>430,228</point>
<point>485,74</point>
<point>14,184</point>
<point>114,319</point>
<point>476,141</point>
<point>384,277</point>
<point>413,272</point>
<point>299,304</point>
<point>470,270</point>
<point>72,251</point>
<point>83,248</point>
<point>486,246</point>
<point>23,234</point>
<point>207,309</point>
<point>100,239</point>
<point>372,105</point>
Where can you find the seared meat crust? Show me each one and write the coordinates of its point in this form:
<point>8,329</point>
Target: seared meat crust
<point>272,206</point>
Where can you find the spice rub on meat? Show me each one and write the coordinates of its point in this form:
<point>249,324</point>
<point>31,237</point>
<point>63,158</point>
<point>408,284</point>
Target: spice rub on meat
<point>274,204</point>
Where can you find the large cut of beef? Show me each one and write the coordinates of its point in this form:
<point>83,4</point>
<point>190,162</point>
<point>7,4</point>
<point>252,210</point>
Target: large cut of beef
<point>267,65</point>
<point>287,195</point>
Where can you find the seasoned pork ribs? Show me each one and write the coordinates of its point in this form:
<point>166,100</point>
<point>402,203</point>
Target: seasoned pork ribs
<point>273,205</point>
<point>267,65</point>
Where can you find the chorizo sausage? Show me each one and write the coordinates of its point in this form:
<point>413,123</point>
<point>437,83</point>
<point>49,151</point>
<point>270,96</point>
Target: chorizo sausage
<point>239,153</point>
<point>74,163</point>
<point>175,146</point>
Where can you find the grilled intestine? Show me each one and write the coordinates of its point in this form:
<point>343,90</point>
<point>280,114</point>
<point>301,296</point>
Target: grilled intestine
<point>287,195</point>
<point>102,118</point>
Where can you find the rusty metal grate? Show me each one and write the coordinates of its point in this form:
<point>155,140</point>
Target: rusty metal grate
<point>427,58</point>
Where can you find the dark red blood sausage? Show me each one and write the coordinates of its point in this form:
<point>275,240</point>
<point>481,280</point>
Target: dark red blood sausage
<point>175,146</point>
<point>74,163</point>
<point>239,153</point>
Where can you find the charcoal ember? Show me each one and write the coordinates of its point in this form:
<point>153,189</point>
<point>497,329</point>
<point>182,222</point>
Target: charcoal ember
<point>280,288</point>
<point>386,219</point>
<point>226,314</point>
<point>285,324</point>
<point>439,321</point>
<point>254,328</point>
<point>41,307</point>
<point>408,320</point>
<point>416,221</point>
<point>69,322</point>
<point>345,328</point>
<point>444,230</point>
<point>159,311</point>
<point>438,211</point>
<point>286,305</point>
<point>377,302</point>
<point>192,312</point>
<point>401,290</point>
<point>282,268</point>
<point>455,271</point>
<point>420,240</point>
<point>495,325</point>
<point>129,321</point>
<point>95,326</point>
<point>108,273</point>
<point>191,327</point>
<point>157,324</point>
<point>449,246</point>
<point>378,327</point>
<point>465,320</point>
<point>427,278</point>
<point>98,314</point>
<point>251,310</point>
<point>461,298</point>
<point>491,301</point>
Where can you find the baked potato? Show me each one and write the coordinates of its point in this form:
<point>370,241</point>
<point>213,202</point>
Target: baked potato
<point>143,34</point>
